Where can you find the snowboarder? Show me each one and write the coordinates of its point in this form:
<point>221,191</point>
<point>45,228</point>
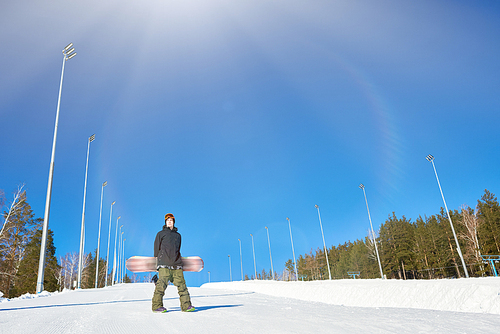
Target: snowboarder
<point>169,265</point>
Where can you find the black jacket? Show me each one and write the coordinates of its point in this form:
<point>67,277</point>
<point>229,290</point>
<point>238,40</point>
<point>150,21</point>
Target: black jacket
<point>168,248</point>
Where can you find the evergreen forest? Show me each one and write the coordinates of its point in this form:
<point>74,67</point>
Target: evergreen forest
<point>20,243</point>
<point>420,249</point>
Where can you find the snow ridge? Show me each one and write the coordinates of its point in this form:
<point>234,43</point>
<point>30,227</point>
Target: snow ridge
<point>475,295</point>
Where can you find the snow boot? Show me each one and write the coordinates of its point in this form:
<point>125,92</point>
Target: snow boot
<point>189,309</point>
<point>160,310</point>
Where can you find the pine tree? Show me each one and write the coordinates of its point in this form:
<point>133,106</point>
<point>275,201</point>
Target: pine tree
<point>18,228</point>
<point>398,239</point>
<point>301,268</point>
<point>27,275</point>
<point>88,281</point>
<point>88,273</point>
<point>489,232</point>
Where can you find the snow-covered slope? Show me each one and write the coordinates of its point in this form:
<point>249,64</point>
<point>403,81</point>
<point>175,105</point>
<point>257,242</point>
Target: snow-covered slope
<point>281,307</point>
<point>478,295</point>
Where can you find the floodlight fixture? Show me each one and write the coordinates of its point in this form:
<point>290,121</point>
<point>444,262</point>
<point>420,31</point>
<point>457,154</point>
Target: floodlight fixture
<point>69,52</point>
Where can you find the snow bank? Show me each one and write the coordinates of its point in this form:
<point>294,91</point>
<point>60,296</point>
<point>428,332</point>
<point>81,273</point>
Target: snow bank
<point>27,296</point>
<point>477,295</point>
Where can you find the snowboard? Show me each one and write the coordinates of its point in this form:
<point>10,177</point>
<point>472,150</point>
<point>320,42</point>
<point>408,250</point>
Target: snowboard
<point>137,264</point>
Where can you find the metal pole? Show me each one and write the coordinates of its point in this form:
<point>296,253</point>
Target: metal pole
<point>68,53</point>
<point>82,230</point>
<point>324,244</point>
<point>99,238</point>
<point>124,270</point>
<point>270,256</point>
<point>241,261</point>
<point>431,159</point>
<point>119,255</point>
<point>114,253</point>
<point>293,251</point>
<point>230,272</point>
<point>373,233</point>
<point>109,237</point>
<point>254,266</point>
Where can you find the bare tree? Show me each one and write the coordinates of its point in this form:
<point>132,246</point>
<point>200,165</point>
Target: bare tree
<point>19,198</point>
<point>18,227</point>
<point>135,278</point>
<point>312,264</point>
<point>69,270</point>
<point>2,198</point>
<point>370,244</point>
<point>470,220</point>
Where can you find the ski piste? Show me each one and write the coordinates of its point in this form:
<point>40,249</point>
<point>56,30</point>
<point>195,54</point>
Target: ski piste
<point>137,264</point>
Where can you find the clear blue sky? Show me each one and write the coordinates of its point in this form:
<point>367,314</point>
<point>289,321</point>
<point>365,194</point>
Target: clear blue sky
<point>236,115</point>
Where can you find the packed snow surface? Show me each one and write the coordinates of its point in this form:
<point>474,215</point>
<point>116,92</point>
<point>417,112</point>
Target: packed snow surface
<point>478,295</point>
<point>340,306</point>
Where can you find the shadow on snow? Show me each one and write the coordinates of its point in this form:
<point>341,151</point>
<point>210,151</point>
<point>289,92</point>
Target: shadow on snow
<point>201,308</point>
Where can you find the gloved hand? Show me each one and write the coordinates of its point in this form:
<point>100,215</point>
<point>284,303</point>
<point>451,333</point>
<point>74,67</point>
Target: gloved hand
<point>154,279</point>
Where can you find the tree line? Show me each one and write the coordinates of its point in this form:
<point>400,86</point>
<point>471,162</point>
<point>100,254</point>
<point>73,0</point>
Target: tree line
<point>420,249</point>
<point>20,244</point>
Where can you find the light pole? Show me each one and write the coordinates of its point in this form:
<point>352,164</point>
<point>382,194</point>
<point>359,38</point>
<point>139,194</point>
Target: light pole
<point>373,233</point>
<point>99,237</point>
<point>293,251</point>
<point>109,237</point>
<point>119,255</point>
<point>230,272</point>
<point>82,231</point>
<point>324,244</point>
<point>124,270</point>
<point>253,250</point>
<point>241,261</point>
<point>270,256</point>
<point>114,253</point>
<point>431,159</point>
<point>209,277</point>
<point>68,53</point>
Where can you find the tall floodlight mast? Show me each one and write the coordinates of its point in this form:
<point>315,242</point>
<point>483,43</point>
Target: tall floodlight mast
<point>68,53</point>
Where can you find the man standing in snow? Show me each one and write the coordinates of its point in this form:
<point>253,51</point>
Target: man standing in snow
<point>169,265</point>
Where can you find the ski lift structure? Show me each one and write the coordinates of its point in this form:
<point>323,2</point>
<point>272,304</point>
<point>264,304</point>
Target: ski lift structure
<point>491,260</point>
<point>353,274</point>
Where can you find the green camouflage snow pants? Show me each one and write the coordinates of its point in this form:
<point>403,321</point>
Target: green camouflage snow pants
<point>176,276</point>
